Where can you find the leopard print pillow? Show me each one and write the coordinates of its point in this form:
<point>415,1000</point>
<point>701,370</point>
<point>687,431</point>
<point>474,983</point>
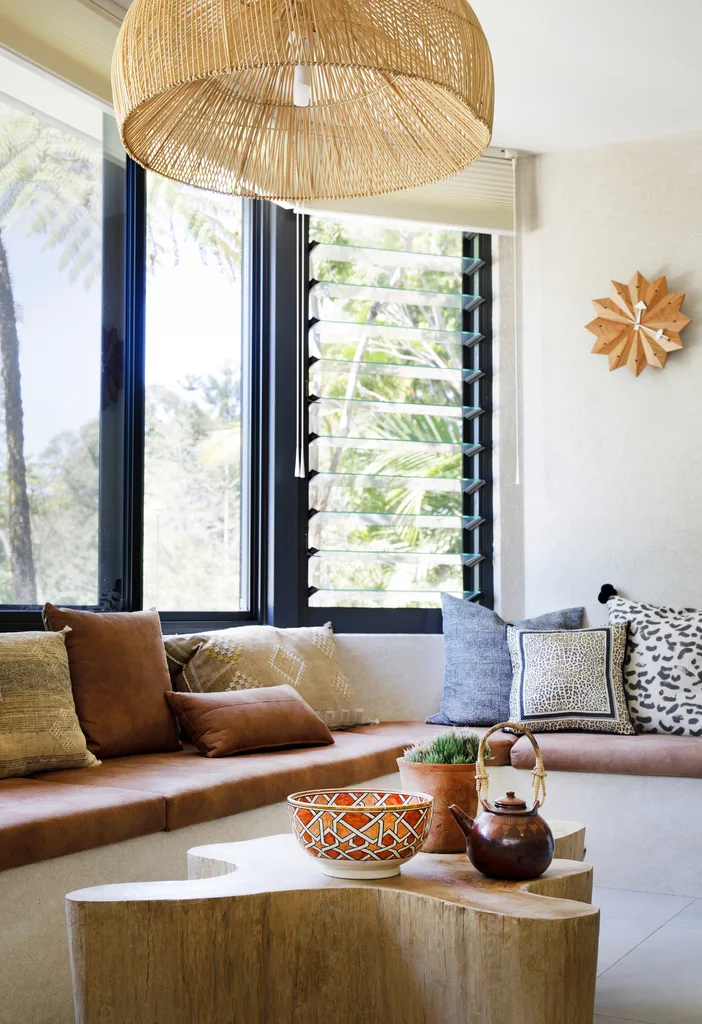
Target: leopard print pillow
<point>663,666</point>
<point>569,679</point>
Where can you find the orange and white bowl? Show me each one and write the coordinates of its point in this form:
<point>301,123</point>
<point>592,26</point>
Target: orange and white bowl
<point>360,833</point>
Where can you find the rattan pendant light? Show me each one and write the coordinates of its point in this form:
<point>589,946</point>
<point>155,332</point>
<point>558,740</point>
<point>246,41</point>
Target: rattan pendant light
<point>303,99</point>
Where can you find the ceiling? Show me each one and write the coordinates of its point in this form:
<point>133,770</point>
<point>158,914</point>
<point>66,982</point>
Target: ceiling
<point>574,74</point>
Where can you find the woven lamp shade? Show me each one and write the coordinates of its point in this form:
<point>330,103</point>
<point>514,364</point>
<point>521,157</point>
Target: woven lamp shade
<point>401,94</point>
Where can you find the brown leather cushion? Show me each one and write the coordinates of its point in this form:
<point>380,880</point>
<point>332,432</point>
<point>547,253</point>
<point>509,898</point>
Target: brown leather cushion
<point>201,789</point>
<point>40,820</point>
<point>244,721</point>
<point>649,754</point>
<point>119,676</point>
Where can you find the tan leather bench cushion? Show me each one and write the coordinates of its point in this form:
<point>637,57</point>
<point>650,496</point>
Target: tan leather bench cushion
<point>648,754</point>
<point>198,788</point>
<point>40,820</point>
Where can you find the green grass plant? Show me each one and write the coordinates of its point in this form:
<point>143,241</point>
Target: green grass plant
<point>460,746</point>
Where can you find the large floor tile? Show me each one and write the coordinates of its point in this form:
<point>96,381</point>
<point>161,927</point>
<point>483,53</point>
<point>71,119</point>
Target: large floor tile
<point>597,1019</point>
<point>658,982</point>
<point>627,918</point>
<point>690,917</point>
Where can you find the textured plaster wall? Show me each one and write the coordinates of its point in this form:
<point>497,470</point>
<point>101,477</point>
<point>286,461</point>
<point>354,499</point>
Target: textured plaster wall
<point>612,464</point>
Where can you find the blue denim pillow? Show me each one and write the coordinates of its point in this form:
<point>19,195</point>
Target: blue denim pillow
<point>478,668</point>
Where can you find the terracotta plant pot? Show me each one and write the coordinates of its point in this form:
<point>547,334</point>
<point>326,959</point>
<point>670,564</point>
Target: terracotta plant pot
<point>448,784</point>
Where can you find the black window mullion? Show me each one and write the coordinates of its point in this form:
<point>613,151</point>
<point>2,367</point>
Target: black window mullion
<point>287,495</point>
<point>479,466</point>
<point>134,388</point>
<point>112,374</point>
<point>484,497</point>
<point>255,369</point>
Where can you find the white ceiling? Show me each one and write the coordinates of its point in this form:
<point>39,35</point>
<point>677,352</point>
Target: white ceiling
<point>577,73</point>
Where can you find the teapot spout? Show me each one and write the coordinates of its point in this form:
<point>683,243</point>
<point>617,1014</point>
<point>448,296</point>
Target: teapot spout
<point>463,820</point>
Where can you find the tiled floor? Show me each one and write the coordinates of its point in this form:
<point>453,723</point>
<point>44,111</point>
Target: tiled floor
<point>650,963</point>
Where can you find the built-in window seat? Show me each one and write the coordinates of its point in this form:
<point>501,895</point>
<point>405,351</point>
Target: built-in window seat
<point>677,757</point>
<point>59,813</point>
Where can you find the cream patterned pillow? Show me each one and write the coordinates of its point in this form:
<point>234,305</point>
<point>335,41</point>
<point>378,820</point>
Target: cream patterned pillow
<point>570,679</point>
<point>249,656</point>
<point>39,729</point>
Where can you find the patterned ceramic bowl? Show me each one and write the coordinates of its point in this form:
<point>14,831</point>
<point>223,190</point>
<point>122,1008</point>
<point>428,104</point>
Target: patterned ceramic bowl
<point>360,833</point>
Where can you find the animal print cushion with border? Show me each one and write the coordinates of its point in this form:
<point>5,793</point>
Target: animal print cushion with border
<point>247,657</point>
<point>569,679</point>
<point>663,666</point>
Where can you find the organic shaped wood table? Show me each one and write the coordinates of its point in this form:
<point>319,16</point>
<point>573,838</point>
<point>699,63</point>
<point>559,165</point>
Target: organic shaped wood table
<point>259,935</point>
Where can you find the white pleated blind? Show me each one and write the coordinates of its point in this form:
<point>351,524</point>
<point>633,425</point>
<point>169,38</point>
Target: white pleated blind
<point>73,39</point>
<point>481,198</point>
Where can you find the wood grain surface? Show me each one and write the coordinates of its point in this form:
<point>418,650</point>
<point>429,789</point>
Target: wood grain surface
<point>258,935</point>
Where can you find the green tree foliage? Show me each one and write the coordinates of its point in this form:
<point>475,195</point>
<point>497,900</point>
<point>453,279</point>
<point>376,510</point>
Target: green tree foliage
<point>193,493</point>
<point>50,186</point>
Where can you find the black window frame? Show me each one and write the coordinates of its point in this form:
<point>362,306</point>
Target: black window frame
<point>275,501</point>
<point>122,417</point>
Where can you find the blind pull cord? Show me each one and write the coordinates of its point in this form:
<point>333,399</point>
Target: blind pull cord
<point>516,326</point>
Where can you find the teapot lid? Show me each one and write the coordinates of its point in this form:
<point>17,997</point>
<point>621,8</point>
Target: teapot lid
<point>511,802</point>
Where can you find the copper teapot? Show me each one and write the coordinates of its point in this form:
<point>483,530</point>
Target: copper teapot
<point>508,839</point>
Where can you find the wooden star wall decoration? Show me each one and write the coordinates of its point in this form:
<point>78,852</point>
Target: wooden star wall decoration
<point>638,324</point>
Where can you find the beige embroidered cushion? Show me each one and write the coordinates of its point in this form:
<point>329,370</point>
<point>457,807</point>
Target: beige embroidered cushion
<point>249,656</point>
<point>39,728</point>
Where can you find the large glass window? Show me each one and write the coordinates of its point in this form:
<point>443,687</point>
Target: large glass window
<point>193,456</point>
<point>53,143</point>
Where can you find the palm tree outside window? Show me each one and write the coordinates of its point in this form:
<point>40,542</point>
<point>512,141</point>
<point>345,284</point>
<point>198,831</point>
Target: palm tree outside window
<point>62,181</point>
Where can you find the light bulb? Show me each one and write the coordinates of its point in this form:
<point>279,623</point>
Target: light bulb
<point>302,87</point>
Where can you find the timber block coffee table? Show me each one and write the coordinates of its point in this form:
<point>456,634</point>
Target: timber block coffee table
<point>258,935</point>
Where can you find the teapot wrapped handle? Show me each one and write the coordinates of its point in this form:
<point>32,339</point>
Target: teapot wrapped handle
<point>538,773</point>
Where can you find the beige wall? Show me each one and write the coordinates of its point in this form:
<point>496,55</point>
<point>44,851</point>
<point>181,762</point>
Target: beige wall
<point>612,465</point>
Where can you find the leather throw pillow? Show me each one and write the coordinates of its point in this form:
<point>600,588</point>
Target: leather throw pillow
<point>119,676</point>
<point>245,721</point>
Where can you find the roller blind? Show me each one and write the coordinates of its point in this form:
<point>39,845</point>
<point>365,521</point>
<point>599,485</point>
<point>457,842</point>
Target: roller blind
<point>398,417</point>
<point>70,38</point>
<point>481,198</point>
